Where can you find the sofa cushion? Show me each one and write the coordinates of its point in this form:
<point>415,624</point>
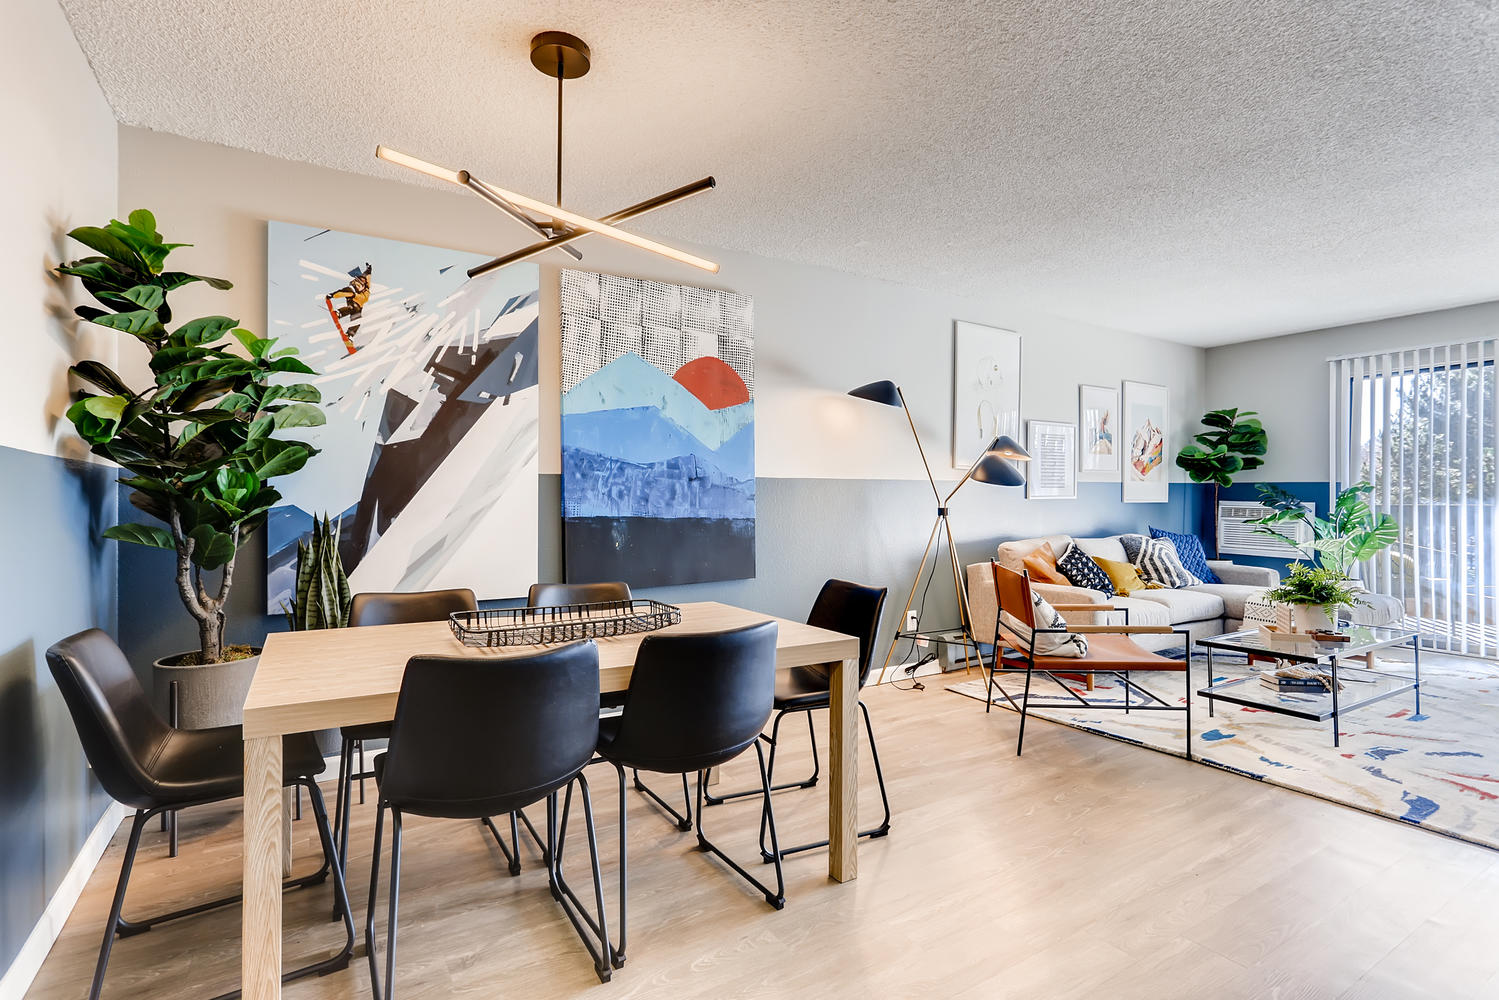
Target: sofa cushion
<point>1141,612</point>
<point>1189,549</point>
<point>1082,571</point>
<point>1124,577</point>
<point>1108,547</point>
<point>1181,606</point>
<point>1011,555</point>
<point>1233,596</point>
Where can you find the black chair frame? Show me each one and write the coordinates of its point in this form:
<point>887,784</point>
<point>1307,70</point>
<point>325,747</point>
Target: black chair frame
<point>118,926</point>
<point>1150,701</point>
<point>583,922</point>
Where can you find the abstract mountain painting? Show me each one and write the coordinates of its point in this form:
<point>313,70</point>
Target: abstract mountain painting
<point>429,454</point>
<point>658,432</point>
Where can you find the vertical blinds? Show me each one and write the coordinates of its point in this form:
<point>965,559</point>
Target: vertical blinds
<point>1418,425</point>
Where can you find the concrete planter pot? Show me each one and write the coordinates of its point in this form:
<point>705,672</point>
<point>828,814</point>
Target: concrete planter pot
<point>208,695</point>
<point>1305,617</point>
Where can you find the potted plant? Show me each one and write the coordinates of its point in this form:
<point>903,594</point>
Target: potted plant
<point>1313,595</point>
<point>1339,543</point>
<point>1234,442</point>
<point>198,442</point>
<point>322,596</point>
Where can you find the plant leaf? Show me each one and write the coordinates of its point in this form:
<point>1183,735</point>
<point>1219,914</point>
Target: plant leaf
<point>141,534</point>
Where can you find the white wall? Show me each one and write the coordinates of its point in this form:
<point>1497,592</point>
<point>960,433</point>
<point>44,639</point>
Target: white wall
<point>1285,378</point>
<point>818,331</point>
<point>59,170</point>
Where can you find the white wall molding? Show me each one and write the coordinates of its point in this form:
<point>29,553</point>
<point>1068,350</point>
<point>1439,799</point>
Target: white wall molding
<point>18,978</point>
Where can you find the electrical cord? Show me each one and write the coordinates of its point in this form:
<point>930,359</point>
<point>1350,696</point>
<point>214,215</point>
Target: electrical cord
<point>910,671</point>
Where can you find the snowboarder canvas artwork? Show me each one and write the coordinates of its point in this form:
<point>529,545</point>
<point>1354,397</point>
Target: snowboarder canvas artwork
<point>429,379</point>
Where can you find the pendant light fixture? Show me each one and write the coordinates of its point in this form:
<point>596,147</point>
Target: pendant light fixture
<point>561,56</point>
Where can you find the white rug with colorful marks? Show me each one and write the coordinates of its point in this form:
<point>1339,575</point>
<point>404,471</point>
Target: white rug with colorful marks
<point>1435,769</point>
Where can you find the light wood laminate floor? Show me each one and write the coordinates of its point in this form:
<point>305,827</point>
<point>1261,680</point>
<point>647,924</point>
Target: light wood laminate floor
<point>1087,868</point>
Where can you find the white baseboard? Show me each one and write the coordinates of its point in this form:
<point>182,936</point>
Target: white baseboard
<point>18,978</point>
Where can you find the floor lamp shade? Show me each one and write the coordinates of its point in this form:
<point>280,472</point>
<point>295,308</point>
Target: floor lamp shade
<point>997,471</point>
<point>1005,446</point>
<point>883,391</point>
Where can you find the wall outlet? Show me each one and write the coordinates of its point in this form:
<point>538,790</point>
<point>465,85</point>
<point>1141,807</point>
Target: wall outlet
<point>913,622</point>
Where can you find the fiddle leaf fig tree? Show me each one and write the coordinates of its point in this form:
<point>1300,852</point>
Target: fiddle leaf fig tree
<point>198,442</point>
<point>1234,442</point>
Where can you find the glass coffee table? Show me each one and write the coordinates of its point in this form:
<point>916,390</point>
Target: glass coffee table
<point>1361,686</point>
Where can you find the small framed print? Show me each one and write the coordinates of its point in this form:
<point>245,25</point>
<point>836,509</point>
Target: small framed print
<point>1051,474</point>
<point>1098,428</point>
<point>1145,444</point>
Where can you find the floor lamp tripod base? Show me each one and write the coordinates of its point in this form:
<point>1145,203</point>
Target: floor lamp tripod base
<point>941,530</point>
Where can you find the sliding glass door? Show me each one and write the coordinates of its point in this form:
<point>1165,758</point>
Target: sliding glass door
<point>1418,425</point>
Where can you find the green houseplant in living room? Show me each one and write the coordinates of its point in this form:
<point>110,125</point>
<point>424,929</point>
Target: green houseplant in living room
<point>1352,533</point>
<point>1314,594</point>
<point>322,595</point>
<point>1234,442</point>
<point>198,440</point>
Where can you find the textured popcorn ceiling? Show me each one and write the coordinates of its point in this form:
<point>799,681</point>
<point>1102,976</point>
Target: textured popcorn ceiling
<point>1202,171</point>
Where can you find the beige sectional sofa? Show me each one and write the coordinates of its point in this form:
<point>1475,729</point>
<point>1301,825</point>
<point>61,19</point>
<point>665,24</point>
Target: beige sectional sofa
<point>1209,609</point>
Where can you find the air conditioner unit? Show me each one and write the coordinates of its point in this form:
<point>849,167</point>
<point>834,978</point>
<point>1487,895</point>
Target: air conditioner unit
<point>1238,537</point>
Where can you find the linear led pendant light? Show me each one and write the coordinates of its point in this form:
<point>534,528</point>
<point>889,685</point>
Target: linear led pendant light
<point>566,57</point>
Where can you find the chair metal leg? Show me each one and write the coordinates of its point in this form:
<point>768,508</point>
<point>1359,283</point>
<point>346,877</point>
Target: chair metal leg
<point>882,830</point>
<point>111,926</point>
<point>775,897</point>
<point>582,921</point>
<point>363,772</point>
<point>683,819</point>
<point>624,877</point>
<point>344,807</point>
<point>395,897</point>
<point>774,738</point>
<point>1025,703</point>
<point>511,853</point>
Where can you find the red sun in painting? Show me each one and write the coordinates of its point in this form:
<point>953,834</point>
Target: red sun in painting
<point>713,382</point>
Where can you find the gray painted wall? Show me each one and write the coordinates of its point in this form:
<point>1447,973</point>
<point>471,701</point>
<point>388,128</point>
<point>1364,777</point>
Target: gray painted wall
<point>840,487</point>
<point>1285,378</point>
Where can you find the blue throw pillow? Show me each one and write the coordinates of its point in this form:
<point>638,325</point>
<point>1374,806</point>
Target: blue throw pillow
<point>1081,571</point>
<point>1189,550</point>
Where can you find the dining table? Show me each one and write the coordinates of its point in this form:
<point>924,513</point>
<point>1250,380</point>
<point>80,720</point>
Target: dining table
<point>323,679</point>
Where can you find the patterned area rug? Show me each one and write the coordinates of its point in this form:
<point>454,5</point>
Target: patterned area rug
<point>1434,770</point>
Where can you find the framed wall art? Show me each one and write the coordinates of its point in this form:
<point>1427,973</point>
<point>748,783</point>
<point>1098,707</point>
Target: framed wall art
<point>1098,428</point>
<point>1051,474</point>
<point>1146,472</point>
<point>985,389</point>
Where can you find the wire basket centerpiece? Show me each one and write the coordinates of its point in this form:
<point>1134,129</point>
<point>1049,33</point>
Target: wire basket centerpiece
<point>561,623</point>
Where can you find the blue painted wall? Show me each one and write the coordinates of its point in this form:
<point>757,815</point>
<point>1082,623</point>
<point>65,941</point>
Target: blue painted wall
<point>58,581</point>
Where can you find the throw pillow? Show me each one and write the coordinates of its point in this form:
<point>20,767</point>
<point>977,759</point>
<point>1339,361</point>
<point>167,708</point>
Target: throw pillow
<point>1124,577</point>
<point>1042,565</point>
<point>1157,561</point>
<point>1019,636</point>
<point>1081,571</point>
<point>1189,548</point>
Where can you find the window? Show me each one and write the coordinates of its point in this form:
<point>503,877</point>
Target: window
<point>1418,425</point>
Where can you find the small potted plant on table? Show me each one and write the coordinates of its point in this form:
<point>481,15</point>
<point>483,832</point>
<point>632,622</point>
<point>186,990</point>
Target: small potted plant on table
<point>1310,597</point>
<point>198,442</point>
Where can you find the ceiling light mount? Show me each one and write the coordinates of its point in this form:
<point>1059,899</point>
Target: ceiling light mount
<point>557,53</point>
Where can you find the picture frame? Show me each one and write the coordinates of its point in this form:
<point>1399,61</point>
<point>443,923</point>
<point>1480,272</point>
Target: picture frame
<point>986,389</point>
<point>1051,474</point>
<point>1098,428</point>
<point>1145,445</point>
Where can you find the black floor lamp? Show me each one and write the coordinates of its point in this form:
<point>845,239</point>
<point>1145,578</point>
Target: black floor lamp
<point>992,466</point>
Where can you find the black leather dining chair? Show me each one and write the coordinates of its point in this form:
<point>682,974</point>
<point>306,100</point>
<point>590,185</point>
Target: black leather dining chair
<point>152,767</point>
<point>478,737</point>
<point>385,609</point>
<point>853,610</point>
<point>695,701</point>
<point>546,595</point>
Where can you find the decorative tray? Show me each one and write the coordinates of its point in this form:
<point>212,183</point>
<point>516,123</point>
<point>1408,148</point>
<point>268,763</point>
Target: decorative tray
<point>561,623</point>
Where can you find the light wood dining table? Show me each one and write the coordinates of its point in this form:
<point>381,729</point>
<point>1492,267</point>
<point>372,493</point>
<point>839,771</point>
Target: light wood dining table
<point>307,681</point>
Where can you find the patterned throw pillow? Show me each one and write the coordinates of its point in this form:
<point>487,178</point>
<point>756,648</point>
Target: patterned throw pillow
<point>1157,561</point>
<point>1081,571</point>
<point>1018,635</point>
<point>1189,548</point>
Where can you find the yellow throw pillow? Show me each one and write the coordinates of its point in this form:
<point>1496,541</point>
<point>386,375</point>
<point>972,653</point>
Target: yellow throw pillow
<point>1124,577</point>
